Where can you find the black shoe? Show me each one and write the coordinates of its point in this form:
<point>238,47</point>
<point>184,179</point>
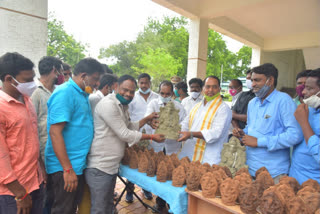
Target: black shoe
<point>129,197</point>
<point>147,195</point>
<point>158,208</point>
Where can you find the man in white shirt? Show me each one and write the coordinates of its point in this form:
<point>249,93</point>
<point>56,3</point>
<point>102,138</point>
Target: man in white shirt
<point>189,102</point>
<point>107,83</point>
<point>137,110</point>
<point>113,130</point>
<point>205,129</point>
<point>171,146</point>
<point>142,97</point>
<point>166,92</point>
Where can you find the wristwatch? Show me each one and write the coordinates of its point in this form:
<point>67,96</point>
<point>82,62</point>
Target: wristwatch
<point>191,136</point>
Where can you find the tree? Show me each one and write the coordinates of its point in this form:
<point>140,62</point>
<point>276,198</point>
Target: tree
<point>165,43</point>
<point>159,64</point>
<point>125,55</point>
<point>63,45</point>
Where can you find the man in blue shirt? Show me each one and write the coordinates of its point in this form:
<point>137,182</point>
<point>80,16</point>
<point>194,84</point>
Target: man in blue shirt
<point>70,128</point>
<point>306,155</point>
<point>271,127</point>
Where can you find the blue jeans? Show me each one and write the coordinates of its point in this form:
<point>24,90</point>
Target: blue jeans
<point>9,206</point>
<point>101,187</point>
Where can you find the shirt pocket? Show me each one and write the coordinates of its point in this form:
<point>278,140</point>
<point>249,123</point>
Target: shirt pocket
<point>269,124</point>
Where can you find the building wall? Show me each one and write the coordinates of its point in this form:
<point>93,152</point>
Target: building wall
<point>288,63</point>
<point>23,28</point>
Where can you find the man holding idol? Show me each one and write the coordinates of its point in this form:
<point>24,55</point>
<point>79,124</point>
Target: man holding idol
<point>205,129</point>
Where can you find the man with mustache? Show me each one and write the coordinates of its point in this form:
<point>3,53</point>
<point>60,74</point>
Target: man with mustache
<point>306,155</point>
<point>271,127</point>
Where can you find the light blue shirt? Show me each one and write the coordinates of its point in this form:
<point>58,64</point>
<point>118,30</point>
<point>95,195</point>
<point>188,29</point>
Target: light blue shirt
<point>70,104</point>
<point>306,157</point>
<point>274,125</point>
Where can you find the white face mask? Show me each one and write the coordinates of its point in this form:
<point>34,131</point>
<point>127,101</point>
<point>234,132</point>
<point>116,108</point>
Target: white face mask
<point>25,88</point>
<point>165,99</point>
<point>145,92</point>
<point>313,101</point>
<point>194,94</point>
<point>249,84</point>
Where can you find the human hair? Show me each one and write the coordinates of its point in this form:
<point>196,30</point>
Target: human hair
<point>126,77</point>
<point>267,69</point>
<point>303,73</point>
<point>166,83</point>
<point>107,79</point>
<point>315,73</point>
<point>66,67</point>
<point>13,64</point>
<point>182,85</point>
<point>239,83</point>
<point>88,66</point>
<point>144,75</point>
<point>214,77</point>
<point>248,71</point>
<point>107,69</point>
<point>48,63</point>
<point>197,81</point>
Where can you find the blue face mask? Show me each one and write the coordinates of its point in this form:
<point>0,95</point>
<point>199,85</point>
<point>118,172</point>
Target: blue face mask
<point>263,91</point>
<point>165,99</point>
<point>176,93</point>
<point>123,100</point>
<point>145,92</point>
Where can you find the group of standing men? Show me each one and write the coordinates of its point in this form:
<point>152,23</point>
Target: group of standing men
<point>82,138</point>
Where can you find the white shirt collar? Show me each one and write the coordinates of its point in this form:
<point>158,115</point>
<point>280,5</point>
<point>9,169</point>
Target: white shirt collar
<point>99,94</point>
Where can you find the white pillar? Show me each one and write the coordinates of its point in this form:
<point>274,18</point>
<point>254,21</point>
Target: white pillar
<point>255,57</point>
<point>198,47</point>
<point>311,57</point>
<point>23,28</point>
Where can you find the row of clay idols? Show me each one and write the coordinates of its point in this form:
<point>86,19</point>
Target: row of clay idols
<point>260,194</point>
<point>217,181</point>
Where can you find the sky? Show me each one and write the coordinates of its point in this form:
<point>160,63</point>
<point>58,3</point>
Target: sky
<point>101,23</point>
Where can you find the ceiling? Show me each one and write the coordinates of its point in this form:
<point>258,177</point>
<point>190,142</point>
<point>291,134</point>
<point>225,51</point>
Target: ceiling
<point>267,24</point>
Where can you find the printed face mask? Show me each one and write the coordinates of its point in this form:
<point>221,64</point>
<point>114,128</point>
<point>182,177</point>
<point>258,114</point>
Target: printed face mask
<point>232,92</point>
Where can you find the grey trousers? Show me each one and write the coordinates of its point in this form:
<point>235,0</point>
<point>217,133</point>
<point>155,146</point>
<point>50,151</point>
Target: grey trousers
<point>101,187</point>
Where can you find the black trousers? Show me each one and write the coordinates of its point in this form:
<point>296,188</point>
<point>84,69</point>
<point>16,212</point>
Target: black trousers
<point>8,204</point>
<point>63,201</point>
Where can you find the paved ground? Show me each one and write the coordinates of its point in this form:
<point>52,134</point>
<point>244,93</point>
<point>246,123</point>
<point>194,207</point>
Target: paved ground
<point>136,207</point>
